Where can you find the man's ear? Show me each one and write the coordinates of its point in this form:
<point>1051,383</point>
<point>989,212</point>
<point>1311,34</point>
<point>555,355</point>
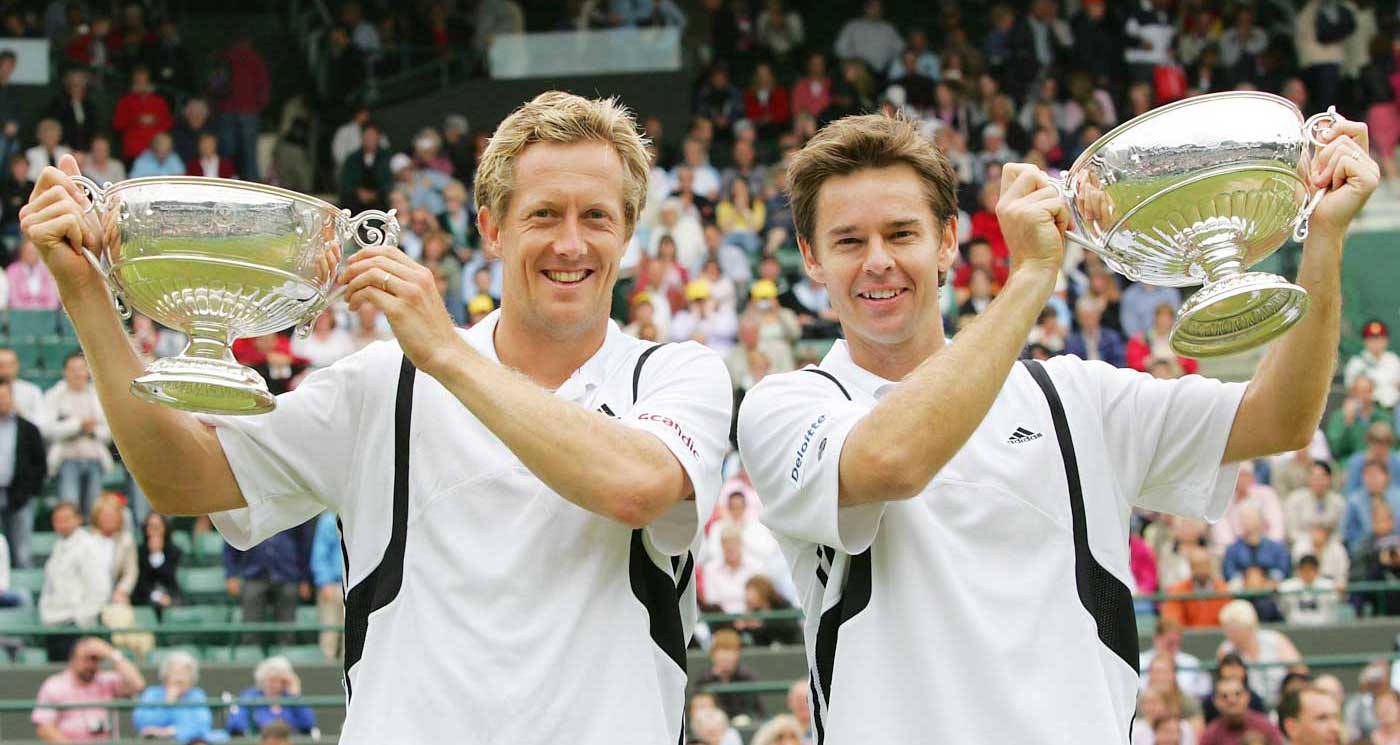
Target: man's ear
<point>490,232</point>
<point>809,261</point>
<point>948,246</point>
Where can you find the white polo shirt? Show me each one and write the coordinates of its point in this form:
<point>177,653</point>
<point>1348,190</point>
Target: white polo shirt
<point>956,616</point>
<point>490,609</point>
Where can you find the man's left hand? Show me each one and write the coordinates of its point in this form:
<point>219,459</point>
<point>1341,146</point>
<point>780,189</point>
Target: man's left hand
<point>1345,168</point>
<point>406,293</point>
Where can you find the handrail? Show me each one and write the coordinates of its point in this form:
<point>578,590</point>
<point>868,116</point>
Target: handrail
<point>10,705</point>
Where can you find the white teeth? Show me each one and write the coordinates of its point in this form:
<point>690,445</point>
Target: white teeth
<point>566,276</point>
<point>880,294</point>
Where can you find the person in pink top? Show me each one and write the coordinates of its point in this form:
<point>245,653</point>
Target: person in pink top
<point>31,285</point>
<point>84,681</point>
<point>1247,491</point>
<point>812,94</point>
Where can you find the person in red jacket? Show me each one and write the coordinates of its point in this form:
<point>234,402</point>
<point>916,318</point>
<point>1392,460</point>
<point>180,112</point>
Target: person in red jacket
<point>207,161</point>
<point>766,102</point>
<point>243,89</point>
<point>1154,343</point>
<point>141,115</point>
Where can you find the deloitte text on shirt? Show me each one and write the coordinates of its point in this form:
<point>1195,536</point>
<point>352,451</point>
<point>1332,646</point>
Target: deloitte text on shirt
<point>484,608</point>
<point>955,616</point>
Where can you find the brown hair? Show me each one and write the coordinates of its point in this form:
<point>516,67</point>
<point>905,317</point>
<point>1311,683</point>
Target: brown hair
<point>856,143</point>
<point>726,639</point>
<point>564,118</point>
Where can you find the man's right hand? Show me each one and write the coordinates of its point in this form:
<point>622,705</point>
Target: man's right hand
<point>55,220</point>
<point>233,586</point>
<point>1033,217</point>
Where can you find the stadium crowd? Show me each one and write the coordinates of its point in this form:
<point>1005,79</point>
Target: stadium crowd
<point>714,259</point>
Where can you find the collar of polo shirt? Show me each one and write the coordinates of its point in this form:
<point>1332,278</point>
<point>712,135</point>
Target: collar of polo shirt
<point>839,363</point>
<point>580,385</point>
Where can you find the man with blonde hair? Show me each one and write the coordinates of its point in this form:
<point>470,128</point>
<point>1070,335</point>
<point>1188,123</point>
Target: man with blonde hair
<point>957,523</point>
<point>517,501</point>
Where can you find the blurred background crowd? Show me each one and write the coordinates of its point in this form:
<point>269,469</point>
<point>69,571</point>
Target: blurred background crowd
<point>1310,539</point>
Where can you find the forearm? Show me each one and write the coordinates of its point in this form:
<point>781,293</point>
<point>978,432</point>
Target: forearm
<point>132,680</point>
<point>50,733</point>
<point>599,464</point>
<point>896,449</point>
<point>1284,402</point>
<point>150,437</point>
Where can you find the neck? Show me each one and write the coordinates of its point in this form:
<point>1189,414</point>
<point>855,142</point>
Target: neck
<point>544,357</point>
<point>895,361</point>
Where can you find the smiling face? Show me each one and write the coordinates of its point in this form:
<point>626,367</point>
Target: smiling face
<point>560,236</point>
<point>878,248</point>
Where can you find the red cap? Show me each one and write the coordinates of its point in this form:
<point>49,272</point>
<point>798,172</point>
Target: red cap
<point>1374,328</point>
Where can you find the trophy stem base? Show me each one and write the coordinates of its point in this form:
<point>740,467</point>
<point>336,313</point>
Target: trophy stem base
<point>204,385</point>
<point>1236,313</point>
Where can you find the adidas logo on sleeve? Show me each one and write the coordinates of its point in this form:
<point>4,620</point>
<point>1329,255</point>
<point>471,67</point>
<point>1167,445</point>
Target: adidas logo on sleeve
<point>1022,435</point>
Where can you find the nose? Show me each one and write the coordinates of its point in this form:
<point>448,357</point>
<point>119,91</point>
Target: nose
<point>878,259</point>
<point>569,242</point>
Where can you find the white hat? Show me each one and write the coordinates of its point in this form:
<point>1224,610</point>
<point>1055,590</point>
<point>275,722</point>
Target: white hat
<point>399,162</point>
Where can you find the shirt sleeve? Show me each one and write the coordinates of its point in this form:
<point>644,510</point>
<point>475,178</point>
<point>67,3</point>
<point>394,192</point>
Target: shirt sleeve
<point>47,695</point>
<point>1168,437</point>
<point>294,461</point>
<point>684,398</point>
<point>792,429</point>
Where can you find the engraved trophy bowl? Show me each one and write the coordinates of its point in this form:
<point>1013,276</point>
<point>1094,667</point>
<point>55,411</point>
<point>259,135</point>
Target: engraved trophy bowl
<point>1195,193</point>
<point>221,259</point>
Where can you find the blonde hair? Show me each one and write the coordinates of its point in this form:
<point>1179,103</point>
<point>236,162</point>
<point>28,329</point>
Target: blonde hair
<point>856,143</point>
<point>564,118</point>
<point>774,728</point>
<point>1239,613</point>
<point>103,502</point>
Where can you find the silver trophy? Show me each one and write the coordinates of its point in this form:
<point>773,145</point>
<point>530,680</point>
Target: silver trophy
<point>1196,192</point>
<point>219,260</point>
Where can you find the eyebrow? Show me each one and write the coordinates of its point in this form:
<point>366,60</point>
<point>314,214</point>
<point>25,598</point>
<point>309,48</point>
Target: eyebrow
<point>892,225</point>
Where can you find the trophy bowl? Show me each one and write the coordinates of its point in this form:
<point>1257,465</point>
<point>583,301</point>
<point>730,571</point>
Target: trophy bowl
<point>1195,193</point>
<point>221,259</point>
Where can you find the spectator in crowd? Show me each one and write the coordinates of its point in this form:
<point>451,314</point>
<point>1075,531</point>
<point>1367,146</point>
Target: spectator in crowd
<point>747,361</point>
<point>779,29</point>
<point>780,730</point>
<point>740,216</point>
<point>369,326</point>
<point>194,124</point>
<point>76,582</point>
<point>711,726</point>
<point>812,93</point>
<point>1387,714</point>
<point>50,147</point>
<point>727,574</point>
<point>1197,612</point>
<point>1379,445</point>
<point>1154,706</point>
<point>1254,549</point>
<point>75,112</point>
<point>1291,471</point>
<point>1254,645</point>
<point>117,546</point>
<point>1155,342</point>
<point>1348,424</point>
<point>760,596</point>
<point>274,679</point>
<point>272,357</point>
<point>1310,715</point>
<point>424,186</point>
<point>98,163</point>
<point>1141,305</point>
<point>206,161</point>
<point>31,285</point>
<point>1308,599</point>
<point>725,667</point>
<point>23,466</point>
<point>1191,678</point>
<point>348,136</point>
<point>270,578</point>
<point>1317,501</point>
<point>870,38</point>
<point>365,179</point>
<point>140,115</point>
<point>1320,31</point>
<point>766,102</point>
<point>457,220</point>
<point>327,573</point>
<point>79,440</point>
<point>14,192</point>
<point>1325,543</point>
<point>481,305</point>
<point>159,159</point>
<point>158,567</point>
<point>778,327</point>
<point>326,343</point>
<point>9,598</point>
<point>1048,332</point>
<point>1233,667</point>
<point>1249,492</point>
<point>439,257</point>
<point>84,681</point>
<point>1360,709</point>
<point>1093,341</point>
<point>1376,558</point>
<point>718,100</point>
<point>1376,490</point>
<point>243,89</point>
<point>798,704</point>
<point>1237,720</point>
<point>1162,676</point>
<point>193,722</point>
<point>276,733</point>
<point>1377,362</point>
<point>702,321</point>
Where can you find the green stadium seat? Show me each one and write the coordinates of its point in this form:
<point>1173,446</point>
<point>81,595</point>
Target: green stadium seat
<point>307,614</point>
<point>209,547</point>
<point>54,351</point>
<point>247,654</point>
<point>144,616</point>
<point>182,541</point>
<point>32,322</point>
<point>65,326</point>
<point>27,579</point>
<point>202,582</point>
<point>18,618</point>
<point>32,656</point>
<point>158,655</point>
<point>299,654</point>
<point>41,544</point>
<point>190,615</point>
<point>28,351</point>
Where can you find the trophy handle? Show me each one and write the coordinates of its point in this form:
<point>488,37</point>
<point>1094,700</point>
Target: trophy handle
<point>1065,186</point>
<point>96,196</point>
<point>1312,128</point>
<point>384,233</point>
